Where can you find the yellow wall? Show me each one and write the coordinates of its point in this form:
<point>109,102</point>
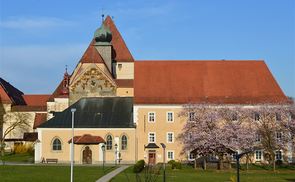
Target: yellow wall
<point>125,70</point>
<point>47,136</point>
<point>160,127</point>
<point>125,92</point>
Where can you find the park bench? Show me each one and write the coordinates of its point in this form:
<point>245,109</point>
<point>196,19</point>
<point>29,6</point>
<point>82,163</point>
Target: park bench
<point>51,160</point>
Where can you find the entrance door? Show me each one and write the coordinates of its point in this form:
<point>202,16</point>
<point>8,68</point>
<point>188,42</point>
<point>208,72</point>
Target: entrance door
<point>87,156</point>
<point>152,157</point>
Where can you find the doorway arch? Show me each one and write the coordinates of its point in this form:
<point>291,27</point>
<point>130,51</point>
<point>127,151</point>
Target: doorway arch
<point>87,155</point>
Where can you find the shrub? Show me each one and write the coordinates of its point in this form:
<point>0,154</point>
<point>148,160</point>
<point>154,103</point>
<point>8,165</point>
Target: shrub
<point>174,164</point>
<point>139,166</point>
<point>171,162</point>
<point>21,149</point>
<point>177,165</point>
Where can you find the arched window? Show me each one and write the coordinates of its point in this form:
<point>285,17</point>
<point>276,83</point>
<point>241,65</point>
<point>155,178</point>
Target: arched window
<point>56,144</point>
<point>109,142</point>
<point>124,142</point>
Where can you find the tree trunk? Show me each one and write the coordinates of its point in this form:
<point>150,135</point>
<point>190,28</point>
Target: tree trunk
<point>247,162</point>
<point>273,163</point>
<point>195,163</point>
<point>205,163</point>
<point>220,162</point>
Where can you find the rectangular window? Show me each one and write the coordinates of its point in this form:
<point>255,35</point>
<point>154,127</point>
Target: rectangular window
<point>234,117</point>
<point>191,156</point>
<point>278,155</point>
<point>170,137</point>
<point>151,117</point>
<point>258,155</point>
<point>191,116</point>
<point>170,117</point>
<point>256,116</point>
<point>170,155</point>
<point>257,138</point>
<point>152,137</point>
<point>279,136</point>
<point>278,117</point>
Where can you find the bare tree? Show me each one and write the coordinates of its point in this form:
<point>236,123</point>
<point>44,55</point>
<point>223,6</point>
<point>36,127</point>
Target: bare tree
<point>271,122</point>
<point>13,123</point>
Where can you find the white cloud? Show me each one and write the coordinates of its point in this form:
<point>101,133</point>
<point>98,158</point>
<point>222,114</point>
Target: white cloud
<point>34,23</point>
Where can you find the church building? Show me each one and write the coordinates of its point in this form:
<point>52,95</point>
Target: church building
<point>124,109</point>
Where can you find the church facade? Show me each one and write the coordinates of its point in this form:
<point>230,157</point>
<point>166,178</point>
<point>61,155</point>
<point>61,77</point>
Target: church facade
<point>125,108</point>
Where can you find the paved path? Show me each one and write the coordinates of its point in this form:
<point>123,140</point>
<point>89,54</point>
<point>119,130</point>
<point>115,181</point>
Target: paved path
<point>112,174</point>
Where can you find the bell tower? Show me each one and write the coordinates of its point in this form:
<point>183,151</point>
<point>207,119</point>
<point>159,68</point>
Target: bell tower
<point>102,43</point>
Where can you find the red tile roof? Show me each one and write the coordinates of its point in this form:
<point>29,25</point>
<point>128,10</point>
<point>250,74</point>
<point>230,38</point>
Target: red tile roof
<point>87,139</point>
<point>40,118</point>
<point>4,98</point>
<point>122,53</point>
<point>36,100</point>
<point>229,82</point>
<point>91,55</point>
<point>58,93</point>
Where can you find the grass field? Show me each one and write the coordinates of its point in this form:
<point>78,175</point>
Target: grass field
<point>188,174</point>
<point>51,173</point>
<point>25,157</point>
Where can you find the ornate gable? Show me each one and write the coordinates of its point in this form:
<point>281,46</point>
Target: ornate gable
<point>92,82</point>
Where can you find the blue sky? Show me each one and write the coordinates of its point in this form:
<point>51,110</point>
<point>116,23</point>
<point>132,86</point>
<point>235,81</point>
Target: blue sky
<point>38,38</point>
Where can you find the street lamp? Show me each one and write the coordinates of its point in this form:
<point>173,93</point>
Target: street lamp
<point>103,147</point>
<point>73,110</point>
<point>116,148</point>
<point>164,159</point>
<point>238,156</point>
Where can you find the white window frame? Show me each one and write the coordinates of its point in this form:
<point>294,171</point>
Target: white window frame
<point>189,157</point>
<point>281,155</point>
<point>173,155</point>
<point>149,141</point>
<point>167,116</point>
<point>149,117</point>
<point>167,137</point>
<point>261,155</point>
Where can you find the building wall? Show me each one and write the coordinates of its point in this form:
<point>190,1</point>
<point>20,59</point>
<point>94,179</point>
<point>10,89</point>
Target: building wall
<point>58,105</point>
<point>125,92</point>
<point>46,137</point>
<point>124,70</point>
<point>160,127</point>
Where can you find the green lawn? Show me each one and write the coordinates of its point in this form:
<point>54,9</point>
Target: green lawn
<point>188,174</point>
<point>51,173</point>
<point>25,157</point>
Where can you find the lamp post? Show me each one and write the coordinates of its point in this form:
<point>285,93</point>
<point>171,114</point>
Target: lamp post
<point>103,150</point>
<point>238,156</point>
<point>116,148</point>
<point>164,159</point>
<point>73,110</point>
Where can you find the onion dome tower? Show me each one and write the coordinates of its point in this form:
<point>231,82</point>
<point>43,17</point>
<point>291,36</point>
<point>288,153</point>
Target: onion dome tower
<point>103,35</point>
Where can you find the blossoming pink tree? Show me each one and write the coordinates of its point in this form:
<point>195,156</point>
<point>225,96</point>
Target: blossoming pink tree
<point>215,130</point>
<point>218,130</point>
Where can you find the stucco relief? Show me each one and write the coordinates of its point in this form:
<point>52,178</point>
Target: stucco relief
<point>93,83</point>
